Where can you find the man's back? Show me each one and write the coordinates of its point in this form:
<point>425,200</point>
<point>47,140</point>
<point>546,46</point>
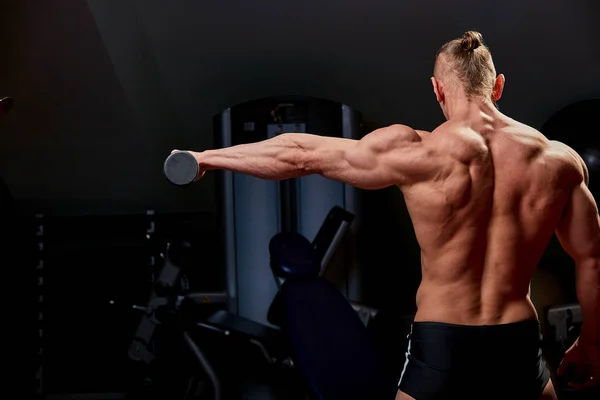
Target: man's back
<point>484,225</point>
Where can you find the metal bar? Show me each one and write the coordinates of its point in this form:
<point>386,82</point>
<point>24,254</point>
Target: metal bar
<point>288,205</point>
<point>205,365</point>
<point>351,130</point>
<point>212,328</point>
<point>335,243</point>
<point>229,218</point>
<point>208,297</point>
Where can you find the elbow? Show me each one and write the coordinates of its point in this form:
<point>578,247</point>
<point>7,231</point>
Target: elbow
<point>589,268</point>
<point>306,163</point>
<point>295,158</point>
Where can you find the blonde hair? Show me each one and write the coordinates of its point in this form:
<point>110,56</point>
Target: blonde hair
<point>468,60</point>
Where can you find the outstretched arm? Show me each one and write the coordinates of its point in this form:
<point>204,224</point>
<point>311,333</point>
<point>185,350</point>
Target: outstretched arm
<point>394,155</point>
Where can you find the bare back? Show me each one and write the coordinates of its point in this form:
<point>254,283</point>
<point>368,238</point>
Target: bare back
<point>485,224</point>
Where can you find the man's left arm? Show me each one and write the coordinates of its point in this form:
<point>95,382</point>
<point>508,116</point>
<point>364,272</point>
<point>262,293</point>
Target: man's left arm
<point>395,155</point>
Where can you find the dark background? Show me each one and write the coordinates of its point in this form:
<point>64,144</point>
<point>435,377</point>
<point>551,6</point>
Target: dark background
<point>105,89</point>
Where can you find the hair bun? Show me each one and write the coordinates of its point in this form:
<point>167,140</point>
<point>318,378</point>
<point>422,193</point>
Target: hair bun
<point>471,40</point>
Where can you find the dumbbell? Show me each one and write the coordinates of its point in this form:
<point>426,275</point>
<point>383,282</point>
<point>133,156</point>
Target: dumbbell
<point>181,168</point>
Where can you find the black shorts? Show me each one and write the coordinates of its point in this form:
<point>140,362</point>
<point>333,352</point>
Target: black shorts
<point>446,361</point>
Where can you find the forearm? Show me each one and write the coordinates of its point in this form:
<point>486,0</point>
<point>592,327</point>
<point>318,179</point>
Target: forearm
<point>281,157</point>
<point>588,294</point>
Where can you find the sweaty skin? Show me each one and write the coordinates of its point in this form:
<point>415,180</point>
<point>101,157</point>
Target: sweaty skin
<point>485,224</point>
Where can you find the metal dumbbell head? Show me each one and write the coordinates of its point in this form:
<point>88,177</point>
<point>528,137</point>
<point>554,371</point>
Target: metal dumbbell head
<point>181,168</point>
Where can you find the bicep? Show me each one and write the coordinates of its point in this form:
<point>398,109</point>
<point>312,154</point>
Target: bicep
<point>579,228</point>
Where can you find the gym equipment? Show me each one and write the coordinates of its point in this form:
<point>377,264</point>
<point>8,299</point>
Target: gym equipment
<point>181,168</point>
<point>297,263</point>
<point>564,319</point>
<point>252,210</point>
<point>287,250</point>
<point>163,301</point>
<point>6,104</point>
<point>331,346</point>
<point>165,282</point>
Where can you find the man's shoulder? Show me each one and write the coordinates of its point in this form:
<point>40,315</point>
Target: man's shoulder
<point>569,157</point>
<point>565,157</point>
<point>446,126</point>
<point>564,151</point>
<point>450,130</point>
<point>401,129</point>
<point>400,132</point>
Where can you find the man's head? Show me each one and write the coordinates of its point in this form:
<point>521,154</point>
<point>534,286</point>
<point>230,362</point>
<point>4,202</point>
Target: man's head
<point>464,70</point>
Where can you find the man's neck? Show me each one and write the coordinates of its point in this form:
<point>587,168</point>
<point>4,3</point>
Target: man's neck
<point>463,108</point>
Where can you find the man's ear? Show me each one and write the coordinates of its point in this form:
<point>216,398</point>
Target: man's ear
<point>498,87</point>
<point>438,90</point>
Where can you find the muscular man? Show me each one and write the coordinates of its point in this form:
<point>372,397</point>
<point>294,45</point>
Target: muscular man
<point>485,194</point>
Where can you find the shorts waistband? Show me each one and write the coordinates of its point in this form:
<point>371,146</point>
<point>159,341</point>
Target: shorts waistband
<point>528,323</point>
<point>521,329</point>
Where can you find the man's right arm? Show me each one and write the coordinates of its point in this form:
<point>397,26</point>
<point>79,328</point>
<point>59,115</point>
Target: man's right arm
<point>579,234</point>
